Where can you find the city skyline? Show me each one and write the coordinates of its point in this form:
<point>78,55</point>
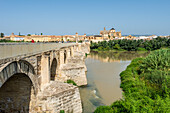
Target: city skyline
<point>90,17</point>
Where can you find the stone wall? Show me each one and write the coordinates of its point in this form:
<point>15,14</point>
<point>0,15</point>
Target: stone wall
<point>58,96</point>
<point>75,72</point>
<point>75,69</point>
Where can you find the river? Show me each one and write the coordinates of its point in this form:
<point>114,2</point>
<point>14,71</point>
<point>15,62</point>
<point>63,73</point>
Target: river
<point>103,78</point>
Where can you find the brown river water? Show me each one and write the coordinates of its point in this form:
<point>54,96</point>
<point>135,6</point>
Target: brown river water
<point>103,78</point>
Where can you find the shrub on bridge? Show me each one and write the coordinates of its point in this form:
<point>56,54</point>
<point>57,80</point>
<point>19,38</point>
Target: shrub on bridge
<point>62,111</point>
<point>71,82</point>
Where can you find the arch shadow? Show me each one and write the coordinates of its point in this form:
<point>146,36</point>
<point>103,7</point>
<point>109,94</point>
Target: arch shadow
<point>65,56</point>
<point>53,69</point>
<point>16,94</point>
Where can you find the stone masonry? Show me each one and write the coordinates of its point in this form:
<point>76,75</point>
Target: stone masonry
<point>37,79</point>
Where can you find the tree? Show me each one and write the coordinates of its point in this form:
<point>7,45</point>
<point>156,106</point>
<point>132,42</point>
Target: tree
<point>109,36</point>
<point>29,35</point>
<point>116,46</point>
<point>2,35</point>
<point>19,34</point>
<point>41,33</point>
<point>134,45</point>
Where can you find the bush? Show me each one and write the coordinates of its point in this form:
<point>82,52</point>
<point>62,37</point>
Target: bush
<point>71,82</point>
<point>100,48</point>
<point>80,41</point>
<point>62,111</point>
<point>116,46</point>
<point>104,109</point>
<point>141,49</point>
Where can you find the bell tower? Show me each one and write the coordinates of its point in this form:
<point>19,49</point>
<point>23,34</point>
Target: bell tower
<point>76,37</point>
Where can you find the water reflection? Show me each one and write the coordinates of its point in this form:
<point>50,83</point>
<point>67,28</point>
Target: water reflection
<point>103,77</point>
<point>108,56</point>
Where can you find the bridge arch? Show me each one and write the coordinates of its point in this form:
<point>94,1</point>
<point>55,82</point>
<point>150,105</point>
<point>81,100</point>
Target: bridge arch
<point>71,52</point>
<point>53,69</point>
<point>19,67</point>
<point>65,56</point>
<point>18,87</point>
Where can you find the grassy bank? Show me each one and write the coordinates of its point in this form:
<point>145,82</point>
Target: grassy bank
<point>145,84</point>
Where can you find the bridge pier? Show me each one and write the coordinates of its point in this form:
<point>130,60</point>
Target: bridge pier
<point>68,53</point>
<point>79,47</point>
<point>61,57</point>
<point>45,70</point>
<point>72,51</point>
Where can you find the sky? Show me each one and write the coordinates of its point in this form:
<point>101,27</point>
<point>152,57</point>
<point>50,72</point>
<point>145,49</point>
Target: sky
<point>66,17</point>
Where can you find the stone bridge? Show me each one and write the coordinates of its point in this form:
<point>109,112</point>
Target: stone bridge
<point>33,77</point>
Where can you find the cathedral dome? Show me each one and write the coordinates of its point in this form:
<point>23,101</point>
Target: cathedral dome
<point>112,29</point>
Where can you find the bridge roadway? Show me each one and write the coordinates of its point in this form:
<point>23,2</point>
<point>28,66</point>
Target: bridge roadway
<point>8,50</point>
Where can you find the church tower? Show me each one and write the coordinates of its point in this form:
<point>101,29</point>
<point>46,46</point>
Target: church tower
<point>76,36</point>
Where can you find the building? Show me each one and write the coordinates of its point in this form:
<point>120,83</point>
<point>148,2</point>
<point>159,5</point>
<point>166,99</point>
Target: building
<point>104,35</point>
<point>110,34</point>
<point>43,38</point>
<point>130,37</point>
<point>68,38</point>
<point>16,37</point>
<point>6,38</point>
<point>54,38</point>
<point>93,38</point>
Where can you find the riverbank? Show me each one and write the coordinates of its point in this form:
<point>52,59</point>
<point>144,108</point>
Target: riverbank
<point>122,50</point>
<point>145,84</point>
<point>131,45</point>
<point>103,78</point>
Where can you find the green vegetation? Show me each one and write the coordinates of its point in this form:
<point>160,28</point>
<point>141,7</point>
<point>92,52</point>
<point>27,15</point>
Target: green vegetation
<point>20,34</point>
<point>10,41</point>
<point>2,35</point>
<point>104,109</point>
<point>146,84</point>
<point>62,111</point>
<point>131,45</point>
<point>86,54</point>
<point>80,41</point>
<point>71,82</point>
<point>6,40</point>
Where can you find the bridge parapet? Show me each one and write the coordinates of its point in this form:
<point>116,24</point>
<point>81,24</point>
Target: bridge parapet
<point>18,49</point>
